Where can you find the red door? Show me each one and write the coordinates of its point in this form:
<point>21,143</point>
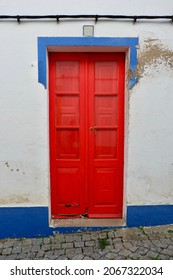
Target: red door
<point>86,105</point>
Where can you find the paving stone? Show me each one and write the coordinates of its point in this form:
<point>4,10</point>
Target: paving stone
<point>78,257</point>
<point>12,257</point>
<point>35,248</point>
<point>163,257</point>
<point>8,244</point>
<point>88,250</point>
<point>156,236</point>
<point>48,254</point>
<point>59,252</point>
<point>124,253</point>
<point>27,242</point>
<point>17,243</point>
<point>167,252</point>
<point>67,245</point>
<point>130,246</point>
<point>46,247</point>
<point>165,241</point>
<point>46,240</point>
<point>95,256</point>
<point>155,249</point>
<point>118,247</point>
<point>170,247</point>
<point>24,257</point>
<point>62,257</point>
<point>88,258</point>
<point>90,243</point>
<point>40,254</point>
<point>111,234</point>
<point>142,251</point>
<point>59,238</point>
<point>7,251</point>
<point>110,247</point>
<point>79,244</point>
<point>134,256</point>
<point>103,235</point>
<point>138,243</point>
<point>69,238</point>
<point>151,255</point>
<point>103,252</point>
<point>94,236</point>
<point>158,243</point>
<point>117,240</point>
<point>86,237</point>
<point>16,250</point>
<point>26,249</point>
<point>56,246</point>
<point>77,238</point>
<point>111,256</point>
<point>3,257</point>
<point>71,252</point>
<point>1,245</point>
<point>39,241</point>
<point>147,243</point>
<point>110,241</point>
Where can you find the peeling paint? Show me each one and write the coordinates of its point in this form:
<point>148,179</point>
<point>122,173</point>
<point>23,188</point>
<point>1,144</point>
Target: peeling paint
<point>152,55</point>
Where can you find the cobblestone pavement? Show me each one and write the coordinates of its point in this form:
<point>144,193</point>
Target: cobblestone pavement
<point>145,243</point>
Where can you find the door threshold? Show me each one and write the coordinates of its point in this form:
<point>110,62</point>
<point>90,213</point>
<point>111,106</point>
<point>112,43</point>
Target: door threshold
<point>85,222</point>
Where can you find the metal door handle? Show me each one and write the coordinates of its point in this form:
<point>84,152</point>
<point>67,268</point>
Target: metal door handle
<point>91,128</point>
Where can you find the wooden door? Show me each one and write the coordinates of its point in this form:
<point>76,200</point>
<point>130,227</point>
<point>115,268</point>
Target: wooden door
<point>86,105</point>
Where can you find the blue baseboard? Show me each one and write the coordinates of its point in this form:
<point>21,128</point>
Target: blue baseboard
<point>149,215</point>
<point>28,222</point>
<point>18,222</point>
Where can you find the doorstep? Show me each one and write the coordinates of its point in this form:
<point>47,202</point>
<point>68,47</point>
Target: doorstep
<point>84,222</point>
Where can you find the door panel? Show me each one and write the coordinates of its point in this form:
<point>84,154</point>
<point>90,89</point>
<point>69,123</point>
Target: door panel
<point>106,122</point>
<point>67,135</point>
<point>105,144</point>
<point>86,134</point>
<point>106,110</point>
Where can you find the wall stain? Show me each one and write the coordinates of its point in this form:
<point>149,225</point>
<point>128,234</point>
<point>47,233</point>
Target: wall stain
<point>7,164</point>
<point>152,55</point>
<point>12,199</point>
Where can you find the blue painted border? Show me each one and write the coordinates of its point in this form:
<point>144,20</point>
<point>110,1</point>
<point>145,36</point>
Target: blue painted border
<point>27,222</point>
<point>149,215</point>
<point>44,42</point>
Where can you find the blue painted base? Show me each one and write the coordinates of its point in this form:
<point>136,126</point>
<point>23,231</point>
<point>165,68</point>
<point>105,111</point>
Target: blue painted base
<point>149,215</point>
<point>18,222</point>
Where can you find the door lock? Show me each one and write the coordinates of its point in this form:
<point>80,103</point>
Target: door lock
<point>93,129</point>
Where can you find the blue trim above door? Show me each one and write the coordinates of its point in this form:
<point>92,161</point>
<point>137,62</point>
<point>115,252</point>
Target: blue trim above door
<point>45,42</point>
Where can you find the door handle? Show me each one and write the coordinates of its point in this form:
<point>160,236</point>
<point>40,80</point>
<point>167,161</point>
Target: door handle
<point>93,129</point>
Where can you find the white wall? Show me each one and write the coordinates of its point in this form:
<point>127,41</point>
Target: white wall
<point>24,152</point>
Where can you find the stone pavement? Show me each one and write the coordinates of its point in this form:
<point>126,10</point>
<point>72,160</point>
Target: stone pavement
<point>145,243</point>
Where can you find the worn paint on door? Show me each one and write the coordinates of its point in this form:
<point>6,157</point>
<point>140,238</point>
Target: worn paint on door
<point>86,105</point>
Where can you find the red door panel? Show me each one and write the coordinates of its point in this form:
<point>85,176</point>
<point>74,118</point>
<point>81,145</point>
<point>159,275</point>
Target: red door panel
<point>67,135</point>
<point>86,134</point>
<point>106,124</point>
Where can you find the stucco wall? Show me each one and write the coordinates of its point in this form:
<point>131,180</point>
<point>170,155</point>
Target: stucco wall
<point>24,132</point>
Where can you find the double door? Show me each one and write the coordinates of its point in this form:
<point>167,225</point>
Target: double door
<point>86,121</point>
